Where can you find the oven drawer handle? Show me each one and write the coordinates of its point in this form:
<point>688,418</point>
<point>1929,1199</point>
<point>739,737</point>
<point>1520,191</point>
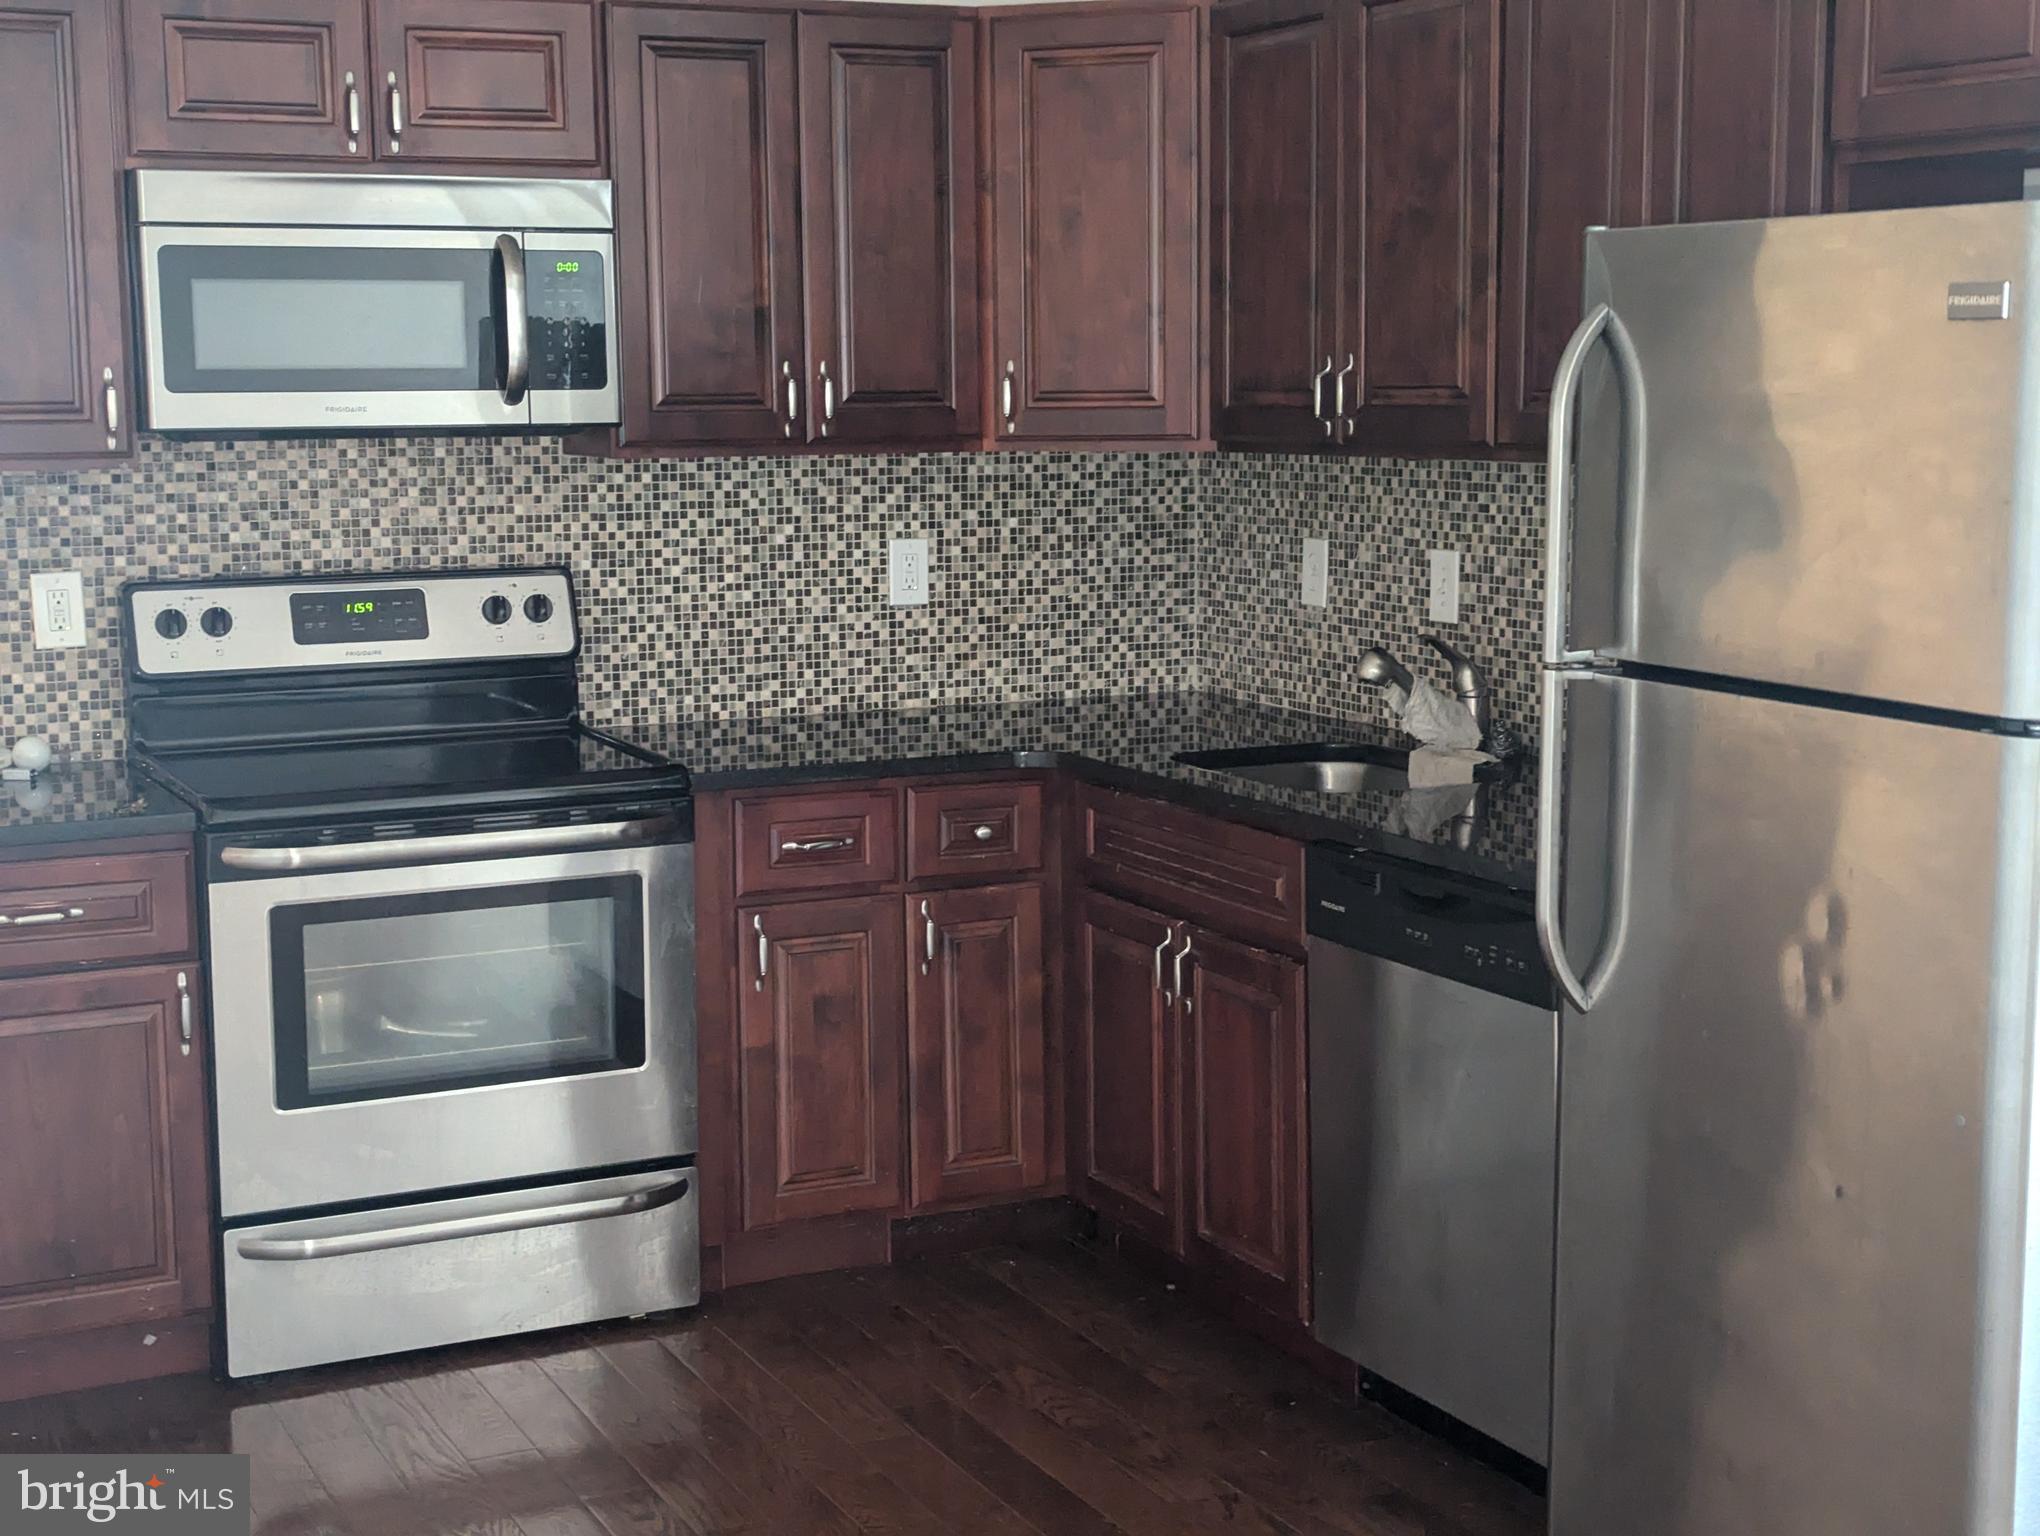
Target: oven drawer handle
<point>420,850</point>
<point>341,1244</point>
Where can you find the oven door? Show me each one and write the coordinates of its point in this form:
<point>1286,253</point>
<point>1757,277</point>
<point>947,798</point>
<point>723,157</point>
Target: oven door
<point>333,329</point>
<point>428,1025</point>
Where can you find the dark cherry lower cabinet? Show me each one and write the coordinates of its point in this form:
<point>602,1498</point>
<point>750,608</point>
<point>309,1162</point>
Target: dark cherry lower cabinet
<point>821,993</point>
<point>1125,1038</point>
<point>977,1090</point>
<point>1096,214</point>
<point>102,1135</point>
<point>63,348</point>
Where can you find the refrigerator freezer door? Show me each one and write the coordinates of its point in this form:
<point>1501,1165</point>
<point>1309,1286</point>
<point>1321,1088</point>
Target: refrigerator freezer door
<point>1791,1128</point>
<point>1839,473</point>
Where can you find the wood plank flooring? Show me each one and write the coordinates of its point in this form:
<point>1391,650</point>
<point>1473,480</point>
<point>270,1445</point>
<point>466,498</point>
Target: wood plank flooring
<point>1038,1391</point>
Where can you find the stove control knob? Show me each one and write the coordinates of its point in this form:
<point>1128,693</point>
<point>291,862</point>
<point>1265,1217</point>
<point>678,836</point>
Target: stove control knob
<point>538,607</point>
<point>216,622</point>
<point>170,624</point>
<point>496,608</point>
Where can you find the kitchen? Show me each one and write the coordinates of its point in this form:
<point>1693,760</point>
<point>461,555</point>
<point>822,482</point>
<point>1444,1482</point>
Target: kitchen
<point>813,789</point>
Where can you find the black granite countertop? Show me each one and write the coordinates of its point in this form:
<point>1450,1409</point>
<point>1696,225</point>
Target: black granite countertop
<point>78,802</point>
<point>1131,741</point>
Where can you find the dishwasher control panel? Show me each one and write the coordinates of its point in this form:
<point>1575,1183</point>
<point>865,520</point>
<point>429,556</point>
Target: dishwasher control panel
<point>1431,919</point>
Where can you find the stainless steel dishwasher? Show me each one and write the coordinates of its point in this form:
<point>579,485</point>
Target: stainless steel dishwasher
<point>1433,1134</point>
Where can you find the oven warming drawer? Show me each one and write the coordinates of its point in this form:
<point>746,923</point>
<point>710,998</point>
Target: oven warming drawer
<point>327,1288</point>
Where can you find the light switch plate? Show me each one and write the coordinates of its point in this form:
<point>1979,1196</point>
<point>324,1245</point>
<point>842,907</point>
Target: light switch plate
<point>1317,572</point>
<point>1444,607</point>
<point>57,601</point>
<point>907,563</point>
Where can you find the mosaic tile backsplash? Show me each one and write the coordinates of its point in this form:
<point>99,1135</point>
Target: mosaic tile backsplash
<point>722,588</point>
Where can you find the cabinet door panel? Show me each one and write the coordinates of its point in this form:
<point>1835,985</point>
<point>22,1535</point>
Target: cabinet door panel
<point>1126,1040</point>
<point>706,165</point>
<point>1422,79</point>
<point>1243,1020</point>
<point>821,1004</point>
<point>488,80</point>
<point>978,1108</point>
<point>62,337</point>
<point>103,1213</point>
<point>1094,131</point>
<point>1275,218</point>
<point>1907,70</point>
<point>255,79</point>
<point>889,214</point>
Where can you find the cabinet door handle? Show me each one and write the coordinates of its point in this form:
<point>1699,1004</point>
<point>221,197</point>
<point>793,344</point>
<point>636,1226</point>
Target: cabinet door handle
<point>40,919</point>
<point>828,398</point>
<point>353,113</point>
<point>1317,394</point>
<point>792,396</point>
<point>1180,954</point>
<point>1006,393</point>
<point>817,844</point>
<point>764,952</point>
<point>1339,398</point>
<point>396,112</point>
<point>1160,950</point>
<point>928,946</point>
<point>183,1014</point>
<point>112,393</point>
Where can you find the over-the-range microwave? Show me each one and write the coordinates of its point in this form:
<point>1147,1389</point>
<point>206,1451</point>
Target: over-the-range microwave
<point>274,302</point>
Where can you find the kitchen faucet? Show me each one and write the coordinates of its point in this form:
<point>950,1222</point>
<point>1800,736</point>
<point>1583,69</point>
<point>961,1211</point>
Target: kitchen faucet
<point>1469,683</point>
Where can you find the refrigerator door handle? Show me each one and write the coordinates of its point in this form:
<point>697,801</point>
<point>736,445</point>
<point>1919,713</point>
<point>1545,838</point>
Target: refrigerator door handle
<point>1580,993</point>
<point>1601,322</point>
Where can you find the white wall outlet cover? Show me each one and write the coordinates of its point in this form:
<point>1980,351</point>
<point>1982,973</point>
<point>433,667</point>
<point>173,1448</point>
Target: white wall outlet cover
<point>56,602</point>
<point>1444,607</point>
<point>1317,572</point>
<point>907,567</point>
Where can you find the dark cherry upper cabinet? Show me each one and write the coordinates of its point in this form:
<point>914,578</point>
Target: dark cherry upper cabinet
<point>1275,220</point>
<point>1422,80</point>
<point>1126,1039</point>
<point>977,1105</point>
<point>889,227</point>
<point>1096,218</point>
<point>1244,1139</point>
<point>103,1212</point>
<point>821,1000</point>
<point>485,81</point>
<point>254,79</point>
<point>1923,69</point>
<point>706,160</point>
<point>63,348</point>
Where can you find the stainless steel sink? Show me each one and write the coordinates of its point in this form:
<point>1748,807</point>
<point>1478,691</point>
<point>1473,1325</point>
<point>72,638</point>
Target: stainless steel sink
<point>1329,769</point>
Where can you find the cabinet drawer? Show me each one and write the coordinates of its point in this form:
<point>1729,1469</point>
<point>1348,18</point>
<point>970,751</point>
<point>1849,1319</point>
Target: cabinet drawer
<point>1236,880</point>
<point>973,829</point>
<point>84,910</point>
<point>818,841</point>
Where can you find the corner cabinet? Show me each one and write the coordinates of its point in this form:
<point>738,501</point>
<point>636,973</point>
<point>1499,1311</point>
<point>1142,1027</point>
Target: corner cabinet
<point>798,227</point>
<point>63,312</point>
<point>1096,213</point>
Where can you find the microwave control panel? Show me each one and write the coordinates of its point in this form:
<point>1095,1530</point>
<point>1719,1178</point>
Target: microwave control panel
<point>566,300</point>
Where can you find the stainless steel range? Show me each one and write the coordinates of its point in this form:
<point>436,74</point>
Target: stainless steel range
<point>451,942</point>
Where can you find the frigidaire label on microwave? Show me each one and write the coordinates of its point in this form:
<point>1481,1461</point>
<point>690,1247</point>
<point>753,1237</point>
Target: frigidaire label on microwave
<point>1980,301</point>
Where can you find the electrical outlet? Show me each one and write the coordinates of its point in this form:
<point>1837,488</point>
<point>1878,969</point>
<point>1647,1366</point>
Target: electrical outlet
<point>56,600</point>
<point>907,563</point>
<point>1317,572</point>
<point>1444,586</point>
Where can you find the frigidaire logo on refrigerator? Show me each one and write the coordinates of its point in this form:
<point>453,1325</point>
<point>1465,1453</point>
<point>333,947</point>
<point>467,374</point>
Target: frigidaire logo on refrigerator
<point>1980,301</point>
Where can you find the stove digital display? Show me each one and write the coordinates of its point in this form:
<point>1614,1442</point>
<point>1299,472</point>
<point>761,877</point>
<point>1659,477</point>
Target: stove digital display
<point>338,618</point>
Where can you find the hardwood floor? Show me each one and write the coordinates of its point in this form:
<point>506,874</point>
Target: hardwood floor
<point>1040,1391</point>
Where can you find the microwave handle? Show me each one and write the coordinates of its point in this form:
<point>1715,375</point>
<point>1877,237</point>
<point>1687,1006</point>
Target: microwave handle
<point>516,321</point>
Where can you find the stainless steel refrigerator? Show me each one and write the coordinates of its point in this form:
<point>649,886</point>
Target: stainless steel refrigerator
<point>1788,854</point>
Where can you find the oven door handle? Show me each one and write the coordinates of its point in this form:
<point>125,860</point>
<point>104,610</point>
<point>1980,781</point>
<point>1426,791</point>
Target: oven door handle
<point>558,1215</point>
<point>461,845</point>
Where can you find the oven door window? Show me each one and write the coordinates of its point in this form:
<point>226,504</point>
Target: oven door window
<point>239,319</point>
<point>381,997</point>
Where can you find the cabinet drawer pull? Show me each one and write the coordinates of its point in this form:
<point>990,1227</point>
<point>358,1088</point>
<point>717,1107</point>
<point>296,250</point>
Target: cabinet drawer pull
<point>928,951</point>
<point>817,844</point>
<point>183,1014</point>
<point>764,952</point>
<point>983,834</point>
<point>40,919</point>
<point>1180,956</point>
<point>1160,950</point>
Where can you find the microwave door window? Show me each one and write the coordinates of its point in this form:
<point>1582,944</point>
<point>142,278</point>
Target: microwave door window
<point>301,319</point>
